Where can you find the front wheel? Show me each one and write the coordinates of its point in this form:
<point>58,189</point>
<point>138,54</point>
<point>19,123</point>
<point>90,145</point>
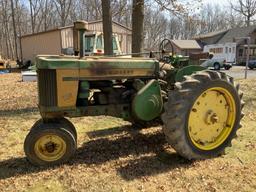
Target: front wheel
<point>49,144</point>
<point>63,122</point>
<point>216,66</point>
<point>202,115</point>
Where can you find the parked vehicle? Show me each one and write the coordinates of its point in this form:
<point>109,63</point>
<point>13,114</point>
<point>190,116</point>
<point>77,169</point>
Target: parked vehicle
<point>94,44</point>
<point>223,53</point>
<point>216,63</point>
<point>252,64</point>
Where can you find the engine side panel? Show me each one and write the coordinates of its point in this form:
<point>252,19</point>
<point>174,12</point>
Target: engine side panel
<point>67,90</point>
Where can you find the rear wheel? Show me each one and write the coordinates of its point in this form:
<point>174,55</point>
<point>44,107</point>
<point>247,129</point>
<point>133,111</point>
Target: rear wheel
<point>227,67</point>
<point>202,115</point>
<point>49,144</point>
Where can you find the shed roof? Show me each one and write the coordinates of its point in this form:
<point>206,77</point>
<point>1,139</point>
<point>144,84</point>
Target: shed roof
<point>237,32</point>
<point>71,26</point>
<point>121,25</point>
<point>186,44</point>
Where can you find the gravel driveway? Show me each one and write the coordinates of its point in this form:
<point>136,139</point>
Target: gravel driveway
<point>238,72</point>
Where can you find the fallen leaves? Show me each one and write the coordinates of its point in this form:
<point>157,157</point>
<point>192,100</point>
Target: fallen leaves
<point>17,96</point>
<point>116,159</point>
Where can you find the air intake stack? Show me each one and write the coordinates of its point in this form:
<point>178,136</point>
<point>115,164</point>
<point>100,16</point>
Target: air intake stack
<point>78,36</point>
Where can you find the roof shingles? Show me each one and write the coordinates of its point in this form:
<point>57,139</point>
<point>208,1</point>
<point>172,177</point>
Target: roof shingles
<point>237,32</point>
<point>186,44</point>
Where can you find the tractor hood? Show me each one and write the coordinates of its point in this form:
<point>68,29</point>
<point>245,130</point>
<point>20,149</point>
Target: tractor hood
<point>93,67</point>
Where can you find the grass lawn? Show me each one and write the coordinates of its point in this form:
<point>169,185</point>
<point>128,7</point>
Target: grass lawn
<point>114,156</point>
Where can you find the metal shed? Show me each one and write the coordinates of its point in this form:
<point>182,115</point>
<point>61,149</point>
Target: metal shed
<point>57,41</point>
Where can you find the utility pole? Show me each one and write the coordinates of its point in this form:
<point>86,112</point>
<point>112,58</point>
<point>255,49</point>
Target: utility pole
<point>248,39</point>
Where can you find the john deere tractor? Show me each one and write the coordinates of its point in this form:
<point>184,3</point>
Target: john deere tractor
<point>200,109</point>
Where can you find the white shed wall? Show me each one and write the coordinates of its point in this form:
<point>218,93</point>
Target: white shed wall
<point>40,44</point>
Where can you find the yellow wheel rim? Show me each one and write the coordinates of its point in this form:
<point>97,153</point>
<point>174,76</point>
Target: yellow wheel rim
<point>211,118</point>
<point>50,147</point>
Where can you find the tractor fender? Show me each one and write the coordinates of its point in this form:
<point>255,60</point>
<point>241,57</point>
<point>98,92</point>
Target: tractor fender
<point>188,70</point>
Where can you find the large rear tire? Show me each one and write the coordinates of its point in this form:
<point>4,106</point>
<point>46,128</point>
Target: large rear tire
<point>202,115</point>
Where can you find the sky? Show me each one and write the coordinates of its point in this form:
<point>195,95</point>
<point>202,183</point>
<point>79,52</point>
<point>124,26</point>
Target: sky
<point>220,2</point>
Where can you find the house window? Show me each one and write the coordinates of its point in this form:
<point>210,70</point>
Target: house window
<point>240,52</point>
<point>234,49</point>
<point>212,50</point>
<point>226,50</point>
<point>219,50</point>
<point>229,50</point>
<point>252,51</point>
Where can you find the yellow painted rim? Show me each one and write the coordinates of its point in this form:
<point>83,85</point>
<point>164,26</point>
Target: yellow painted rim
<point>50,147</point>
<point>212,118</point>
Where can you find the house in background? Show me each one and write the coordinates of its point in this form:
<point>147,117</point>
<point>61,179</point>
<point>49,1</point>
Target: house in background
<point>226,37</point>
<point>210,38</point>
<point>60,40</point>
<point>184,47</point>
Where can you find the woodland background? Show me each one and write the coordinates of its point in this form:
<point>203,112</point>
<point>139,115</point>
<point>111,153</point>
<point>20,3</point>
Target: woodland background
<point>177,19</point>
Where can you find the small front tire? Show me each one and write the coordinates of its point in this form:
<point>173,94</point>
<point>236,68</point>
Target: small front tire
<point>65,123</point>
<point>49,144</point>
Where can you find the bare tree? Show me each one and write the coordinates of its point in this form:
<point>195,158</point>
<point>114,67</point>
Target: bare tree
<point>63,9</point>
<point>7,28</point>
<point>155,28</point>
<point>35,6</point>
<point>174,28</point>
<point>14,30</point>
<point>107,27</point>
<point>137,26</point>
<point>247,8</point>
<point>19,17</point>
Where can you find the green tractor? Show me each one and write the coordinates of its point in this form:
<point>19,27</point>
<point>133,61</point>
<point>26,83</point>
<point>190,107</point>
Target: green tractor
<point>200,109</point>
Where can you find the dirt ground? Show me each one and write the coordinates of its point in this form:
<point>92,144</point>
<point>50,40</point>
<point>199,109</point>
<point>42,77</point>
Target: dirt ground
<point>114,156</point>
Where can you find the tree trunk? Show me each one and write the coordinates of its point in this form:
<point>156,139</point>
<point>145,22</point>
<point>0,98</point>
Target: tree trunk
<point>107,27</point>
<point>14,31</point>
<point>248,21</point>
<point>32,17</point>
<point>137,26</point>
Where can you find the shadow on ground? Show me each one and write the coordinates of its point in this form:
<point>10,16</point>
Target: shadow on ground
<point>14,112</point>
<point>101,150</point>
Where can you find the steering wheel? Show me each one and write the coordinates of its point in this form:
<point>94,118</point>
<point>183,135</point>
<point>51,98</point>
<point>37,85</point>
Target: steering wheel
<point>162,46</point>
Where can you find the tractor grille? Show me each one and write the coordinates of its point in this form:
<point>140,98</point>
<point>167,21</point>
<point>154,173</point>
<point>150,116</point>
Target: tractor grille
<point>47,87</point>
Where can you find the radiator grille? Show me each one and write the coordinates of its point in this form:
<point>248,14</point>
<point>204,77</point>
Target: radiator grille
<point>47,87</point>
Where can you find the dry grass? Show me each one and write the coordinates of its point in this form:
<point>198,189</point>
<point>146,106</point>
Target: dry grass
<point>113,156</point>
